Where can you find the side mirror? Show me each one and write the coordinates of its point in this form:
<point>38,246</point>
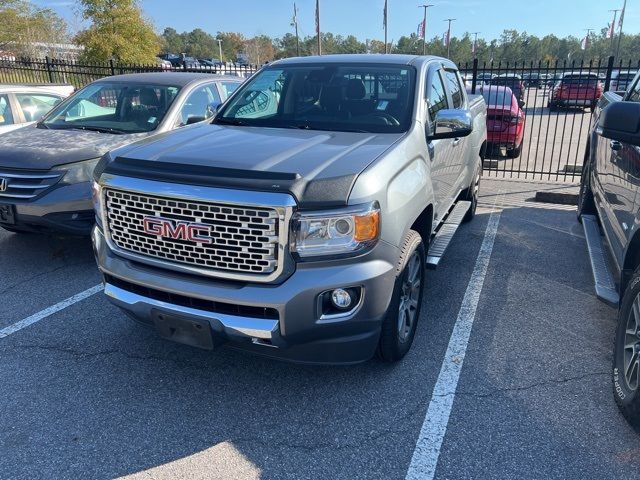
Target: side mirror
<point>620,121</point>
<point>451,124</point>
<point>192,120</point>
<point>212,109</point>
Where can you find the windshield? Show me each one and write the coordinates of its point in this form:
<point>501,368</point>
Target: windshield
<point>363,98</point>
<point>497,97</point>
<point>580,80</point>
<point>114,108</point>
<point>506,81</point>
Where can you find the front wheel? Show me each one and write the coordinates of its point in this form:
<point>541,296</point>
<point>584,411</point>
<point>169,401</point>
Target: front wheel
<point>626,354</point>
<point>401,319</point>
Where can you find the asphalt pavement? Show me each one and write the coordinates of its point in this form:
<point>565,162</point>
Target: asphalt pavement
<point>86,393</point>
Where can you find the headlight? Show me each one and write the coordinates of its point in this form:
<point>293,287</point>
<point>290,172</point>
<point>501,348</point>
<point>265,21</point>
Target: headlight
<point>334,233</point>
<point>78,172</point>
<point>96,197</point>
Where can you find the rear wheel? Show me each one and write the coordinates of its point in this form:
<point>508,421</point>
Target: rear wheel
<point>401,319</point>
<point>471,195</point>
<point>626,354</point>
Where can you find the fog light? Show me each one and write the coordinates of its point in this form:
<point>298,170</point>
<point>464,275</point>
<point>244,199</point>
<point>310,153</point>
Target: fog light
<point>341,298</point>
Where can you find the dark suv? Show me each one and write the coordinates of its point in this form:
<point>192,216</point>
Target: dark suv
<point>609,202</point>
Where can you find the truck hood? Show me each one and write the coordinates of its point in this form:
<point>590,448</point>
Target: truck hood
<point>41,149</point>
<point>317,167</point>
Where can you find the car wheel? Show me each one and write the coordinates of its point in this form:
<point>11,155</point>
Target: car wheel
<point>470,194</point>
<point>552,106</point>
<point>586,203</point>
<point>401,319</point>
<point>626,354</point>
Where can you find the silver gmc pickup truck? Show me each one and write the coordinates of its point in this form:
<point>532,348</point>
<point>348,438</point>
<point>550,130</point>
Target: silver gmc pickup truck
<point>300,222</point>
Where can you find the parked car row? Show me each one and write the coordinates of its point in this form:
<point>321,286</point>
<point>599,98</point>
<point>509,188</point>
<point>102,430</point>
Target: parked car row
<point>294,223</point>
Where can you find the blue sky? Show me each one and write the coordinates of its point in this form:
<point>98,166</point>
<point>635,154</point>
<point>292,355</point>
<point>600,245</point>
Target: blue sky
<point>363,18</point>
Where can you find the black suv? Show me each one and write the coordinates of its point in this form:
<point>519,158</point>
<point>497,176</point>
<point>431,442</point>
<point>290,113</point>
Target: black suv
<point>609,202</point>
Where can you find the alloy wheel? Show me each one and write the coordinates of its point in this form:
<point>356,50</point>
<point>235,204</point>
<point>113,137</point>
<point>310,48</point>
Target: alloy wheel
<point>631,354</point>
<point>409,297</point>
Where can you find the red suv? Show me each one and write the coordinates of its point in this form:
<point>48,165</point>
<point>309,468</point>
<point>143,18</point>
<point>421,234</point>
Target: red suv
<point>505,120</point>
<point>576,89</point>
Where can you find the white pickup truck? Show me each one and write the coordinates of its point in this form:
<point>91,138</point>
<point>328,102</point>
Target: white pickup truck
<point>298,223</point>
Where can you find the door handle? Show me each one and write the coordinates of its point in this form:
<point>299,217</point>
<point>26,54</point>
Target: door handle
<point>615,145</point>
<point>455,142</point>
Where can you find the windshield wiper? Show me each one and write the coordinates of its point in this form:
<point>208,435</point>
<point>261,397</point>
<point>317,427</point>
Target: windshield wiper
<point>229,121</point>
<point>42,125</point>
<point>91,128</point>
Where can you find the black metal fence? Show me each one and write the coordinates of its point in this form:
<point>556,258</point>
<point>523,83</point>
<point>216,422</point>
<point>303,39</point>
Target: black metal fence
<point>548,142</point>
<point>556,115</point>
<point>49,70</point>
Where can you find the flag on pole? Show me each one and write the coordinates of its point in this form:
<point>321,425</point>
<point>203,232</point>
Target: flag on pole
<point>445,38</point>
<point>384,15</point>
<point>624,7</point>
<point>585,42</point>
<point>421,29</point>
<point>474,47</point>
<point>610,29</point>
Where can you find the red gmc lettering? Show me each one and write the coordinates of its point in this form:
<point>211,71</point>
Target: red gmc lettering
<point>176,230</point>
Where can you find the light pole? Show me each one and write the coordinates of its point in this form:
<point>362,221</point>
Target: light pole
<point>475,44</point>
<point>295,24</point>
<point>449,36</point>
<point>424,28</point>
<point>220,48</point>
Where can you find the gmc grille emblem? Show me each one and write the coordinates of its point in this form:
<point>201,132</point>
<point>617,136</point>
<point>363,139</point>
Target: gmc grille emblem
<point>178,230</point>
<point>4,184</point>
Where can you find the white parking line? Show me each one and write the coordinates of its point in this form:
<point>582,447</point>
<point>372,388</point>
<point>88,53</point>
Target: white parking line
<point>36,317</point>
<point>425,456</point>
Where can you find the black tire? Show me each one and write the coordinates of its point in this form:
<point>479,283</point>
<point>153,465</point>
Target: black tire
<point>514,152</point>
<point>395,341</point>
<point>552,106</point>
<point>586,203</point>
<point>626,381</point>
<point>593,107</point>
<point>470,194</point>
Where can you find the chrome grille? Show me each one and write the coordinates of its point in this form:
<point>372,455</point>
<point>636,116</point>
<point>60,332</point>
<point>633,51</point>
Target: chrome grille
<point>25,184</point>
<point>244,239</point>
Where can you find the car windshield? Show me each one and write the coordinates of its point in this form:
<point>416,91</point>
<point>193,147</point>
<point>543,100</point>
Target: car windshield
<point>362,98</point>
<point>497,97</point>
<point>506,81</point>
<point>626,77</point>
<point>580,80</point>
<point>114,108</point>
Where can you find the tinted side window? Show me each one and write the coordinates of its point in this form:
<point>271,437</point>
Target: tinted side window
<point>6,117</point>
<point>454,88</point>
<point>197,102</point>
<point>436,96</point>
<point>34,106</point>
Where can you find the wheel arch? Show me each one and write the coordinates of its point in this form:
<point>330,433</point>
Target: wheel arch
<point>424,224</point>
<point>631,261</point>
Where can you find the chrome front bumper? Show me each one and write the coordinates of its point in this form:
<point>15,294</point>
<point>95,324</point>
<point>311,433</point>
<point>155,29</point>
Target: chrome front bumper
<point>232,325</point>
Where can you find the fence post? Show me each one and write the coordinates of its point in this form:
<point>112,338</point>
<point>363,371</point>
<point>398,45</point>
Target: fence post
<point>607,82</point>
<point>113,67</point>
<point>49,70</point>
<point>474,76</point>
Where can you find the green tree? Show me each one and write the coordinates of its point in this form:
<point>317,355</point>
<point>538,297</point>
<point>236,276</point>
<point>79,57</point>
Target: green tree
<point>22,24</point>
<point>200,44</point>
<point>172,41</point>
<point>232,45</point>
<point>118,31</point>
